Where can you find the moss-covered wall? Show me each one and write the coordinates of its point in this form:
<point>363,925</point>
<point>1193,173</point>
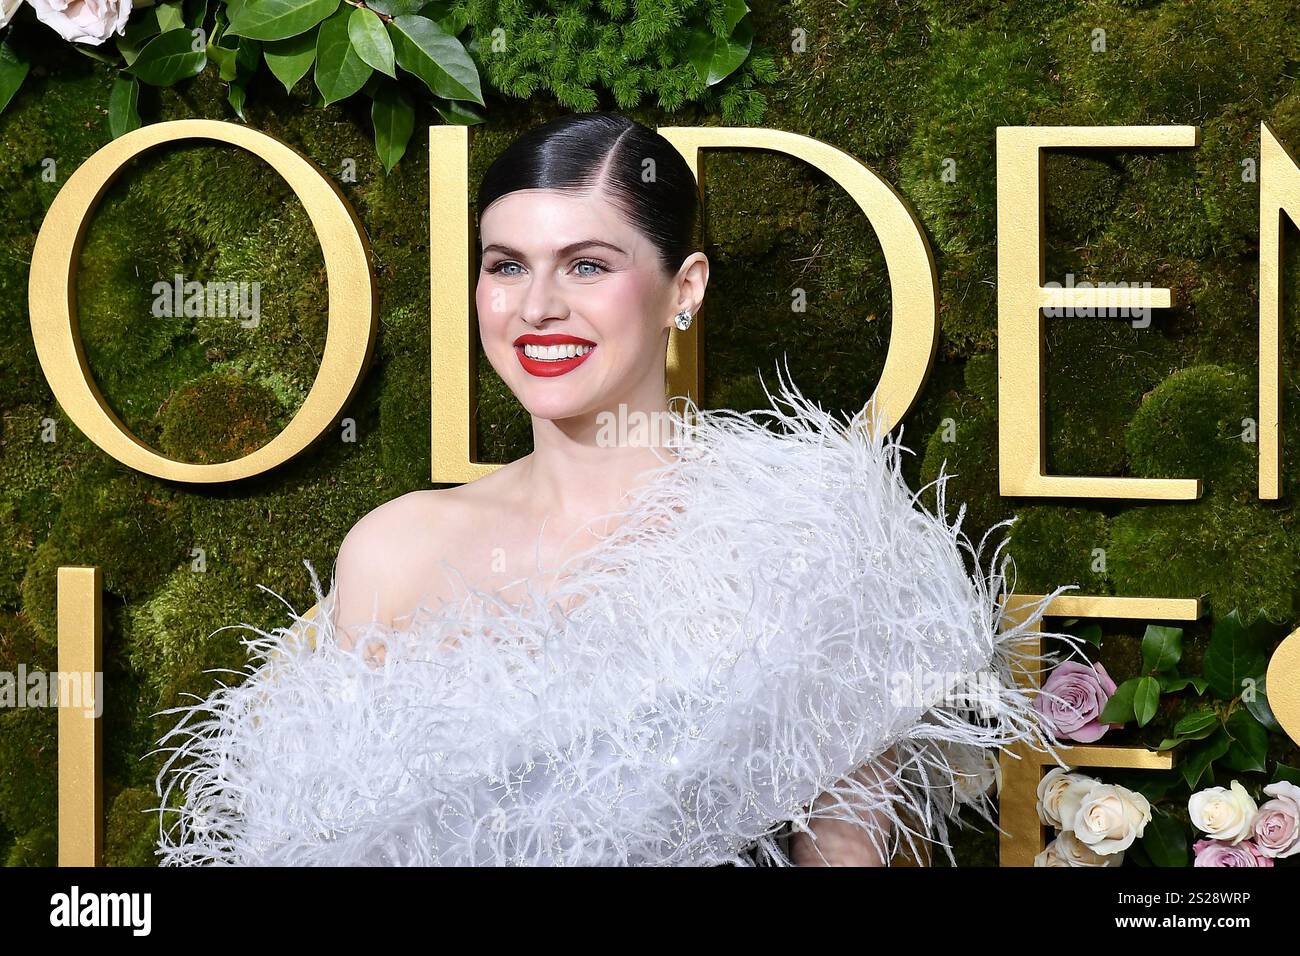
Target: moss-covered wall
<point>903,86</point>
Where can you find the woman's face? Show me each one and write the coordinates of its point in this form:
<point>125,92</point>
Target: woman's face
<point>573,303</point>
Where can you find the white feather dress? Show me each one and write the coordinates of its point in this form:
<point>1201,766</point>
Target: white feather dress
<point>776,611</point>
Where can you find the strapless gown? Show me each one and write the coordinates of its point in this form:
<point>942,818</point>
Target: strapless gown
<point>776,610</point>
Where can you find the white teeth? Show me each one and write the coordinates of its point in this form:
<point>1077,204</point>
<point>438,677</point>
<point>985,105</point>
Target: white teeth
<point>556,353</point>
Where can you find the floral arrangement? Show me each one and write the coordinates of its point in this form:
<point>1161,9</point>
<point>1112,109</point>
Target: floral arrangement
<point>1219,719</point>
<point>391,51</point>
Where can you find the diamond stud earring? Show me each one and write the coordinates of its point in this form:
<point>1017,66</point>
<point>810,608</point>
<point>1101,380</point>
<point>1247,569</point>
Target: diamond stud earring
<point>683,319</point>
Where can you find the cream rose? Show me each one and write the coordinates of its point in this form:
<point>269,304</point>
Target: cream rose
<point>84,21</point>
<point>1050,790</point>
<point>1110,818</point>
<point>1078,786</point>
<point>1068,850</point>
<point>1224,814</point>
<point>7,10</point>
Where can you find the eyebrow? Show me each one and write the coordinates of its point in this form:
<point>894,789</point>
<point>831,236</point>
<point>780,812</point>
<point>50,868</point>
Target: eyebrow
<point>571,247</point>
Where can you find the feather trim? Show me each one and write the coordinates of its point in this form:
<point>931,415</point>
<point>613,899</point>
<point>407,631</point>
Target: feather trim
<point>777,617</point>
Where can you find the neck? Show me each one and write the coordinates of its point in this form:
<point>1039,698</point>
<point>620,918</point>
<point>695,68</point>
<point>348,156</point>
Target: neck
<point>584,466</point>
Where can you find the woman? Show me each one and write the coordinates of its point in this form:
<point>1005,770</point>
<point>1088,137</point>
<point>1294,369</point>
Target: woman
<point>637,644</point>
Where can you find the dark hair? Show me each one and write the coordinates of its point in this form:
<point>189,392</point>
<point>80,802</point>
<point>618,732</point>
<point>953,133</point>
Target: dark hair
<point>606,150</point>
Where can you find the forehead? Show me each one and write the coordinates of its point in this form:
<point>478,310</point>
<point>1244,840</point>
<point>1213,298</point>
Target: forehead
<point>552,217</point>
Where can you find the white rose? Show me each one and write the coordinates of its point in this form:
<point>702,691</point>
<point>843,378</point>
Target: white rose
<point>1110,818</point>
<point>84,21</point>
<point>1051,856</point>
<point>1226,815</point>
<point>1078,786</point>
<point>7,10</point>
<point>1051,789</point>
<point>1069,850</point>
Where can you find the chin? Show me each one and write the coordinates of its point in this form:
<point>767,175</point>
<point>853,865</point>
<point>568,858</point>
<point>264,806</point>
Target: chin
<point>555,403</point>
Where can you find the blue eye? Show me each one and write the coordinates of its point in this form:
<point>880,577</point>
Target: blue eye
<point>501,265</point>
<point>590,262</point>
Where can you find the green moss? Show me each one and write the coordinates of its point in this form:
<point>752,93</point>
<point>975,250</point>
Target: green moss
<point>964,447</point>
<point>1192,425</point>
<point>1237,555</point>
<point>106,515</point>
<point>131,831</point>
<point>1095,374</point>
<point>219,417</point>
<point>1054,545</point>
<point>28,735</point>
<point>976,82</point>
<point>38,847</point>
<point>1171,63</point>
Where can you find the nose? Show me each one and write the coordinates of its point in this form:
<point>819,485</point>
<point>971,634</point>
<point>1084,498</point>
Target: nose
<point>542,300</point>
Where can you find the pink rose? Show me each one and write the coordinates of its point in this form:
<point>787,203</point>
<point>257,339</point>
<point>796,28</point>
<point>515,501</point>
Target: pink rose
<point>1277,825</point>
<point>84,21</point>
<point>1083,691</point>
<point>1218,853</point>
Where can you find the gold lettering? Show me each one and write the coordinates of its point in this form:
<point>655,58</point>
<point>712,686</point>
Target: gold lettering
<point>1022,438</point>
<point>53,299</point>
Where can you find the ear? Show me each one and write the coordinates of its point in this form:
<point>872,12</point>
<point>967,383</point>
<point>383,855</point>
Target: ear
<point>692,279</point>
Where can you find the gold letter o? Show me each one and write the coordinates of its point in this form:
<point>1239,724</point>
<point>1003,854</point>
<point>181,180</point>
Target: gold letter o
<point>349,341</point>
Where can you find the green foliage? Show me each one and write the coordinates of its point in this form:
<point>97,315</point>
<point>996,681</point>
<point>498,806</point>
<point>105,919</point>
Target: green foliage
<point>679,52</point>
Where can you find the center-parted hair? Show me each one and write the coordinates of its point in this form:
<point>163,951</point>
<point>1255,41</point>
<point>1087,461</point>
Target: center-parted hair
<point>644,174</point>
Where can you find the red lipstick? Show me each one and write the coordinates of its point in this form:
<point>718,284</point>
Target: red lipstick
<point>546,367</point>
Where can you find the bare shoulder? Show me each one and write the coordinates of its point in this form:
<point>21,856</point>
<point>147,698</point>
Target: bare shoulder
<point>392,559</point>
<point>385,554</point>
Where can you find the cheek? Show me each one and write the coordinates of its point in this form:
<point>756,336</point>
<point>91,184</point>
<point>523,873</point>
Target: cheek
<point>627,314</point>
<point>492,305</point>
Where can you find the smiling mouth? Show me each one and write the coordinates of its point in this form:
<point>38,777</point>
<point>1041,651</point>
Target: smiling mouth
<point>547,356</point>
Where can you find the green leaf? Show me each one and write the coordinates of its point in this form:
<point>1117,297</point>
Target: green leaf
<point>1197,726</point>
<point>1146,700</point>
<point>371,41</point>
<point>195,12</point>
<point>456,113</point>
<point>423,48</point>
<point>340,72</point>
<point>1249,745</point>
<point>394,119</point>
<point>235,97</point>
<point>1259,708</point>
<point>1172,683</point>
<point>169,58</point>
<point>1286,772</point>
<point>1236,652</point>
<point>139,31</point>
<point>1162,648</point>
<point>1119,709</point>
<point>1199,760</point>
<point>289,60</point>
<point>123,106</point>
<point>1165,841</point>
<point>452,16</point>
<point>396,8</point>
<point>714,57</point>
<point>170,16</point>
<point>279,19</point>
<point>734,11</point>
<point>12,73</point>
